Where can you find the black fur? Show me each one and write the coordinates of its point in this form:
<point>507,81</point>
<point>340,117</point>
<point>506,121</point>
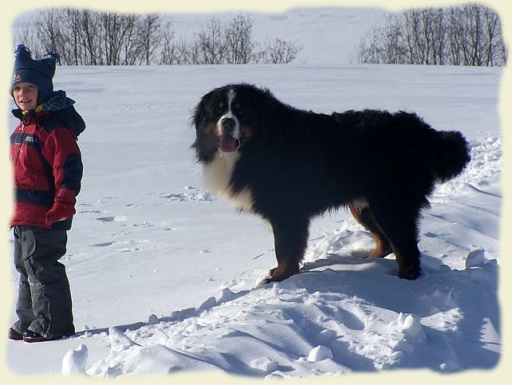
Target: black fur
<point>298,164</point>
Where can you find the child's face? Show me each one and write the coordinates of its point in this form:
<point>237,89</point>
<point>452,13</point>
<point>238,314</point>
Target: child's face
<point>25,96</point>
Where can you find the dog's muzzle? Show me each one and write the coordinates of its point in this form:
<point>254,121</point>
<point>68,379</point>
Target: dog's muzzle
<point>229,130</point>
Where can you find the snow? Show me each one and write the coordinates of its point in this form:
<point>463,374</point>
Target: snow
<point>75,360</point>
<point>164,274</point>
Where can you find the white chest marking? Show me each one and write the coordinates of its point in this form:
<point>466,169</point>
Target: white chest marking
<point>217,177</point>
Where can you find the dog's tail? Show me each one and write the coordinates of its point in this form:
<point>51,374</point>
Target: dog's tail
<point>451,155</point>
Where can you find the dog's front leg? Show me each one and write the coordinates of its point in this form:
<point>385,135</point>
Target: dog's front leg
<point>290,239</point>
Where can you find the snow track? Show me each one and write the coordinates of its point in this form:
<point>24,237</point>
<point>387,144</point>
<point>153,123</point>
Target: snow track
<point>318,323</point>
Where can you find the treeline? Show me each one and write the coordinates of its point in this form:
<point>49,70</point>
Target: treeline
<point>83,37</point>
<point>468,35</point>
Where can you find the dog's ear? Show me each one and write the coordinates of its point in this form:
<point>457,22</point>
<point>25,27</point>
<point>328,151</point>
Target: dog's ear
<point>269,102</point>
<point>198,116</point>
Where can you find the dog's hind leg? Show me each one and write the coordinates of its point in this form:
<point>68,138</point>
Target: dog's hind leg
<point>399,224</point>
<point>362,213</point>
<point>290,238</point>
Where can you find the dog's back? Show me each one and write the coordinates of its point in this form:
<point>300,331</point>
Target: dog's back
<point>444,154</point>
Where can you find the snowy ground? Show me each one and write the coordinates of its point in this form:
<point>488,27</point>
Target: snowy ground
<point>164,274</point>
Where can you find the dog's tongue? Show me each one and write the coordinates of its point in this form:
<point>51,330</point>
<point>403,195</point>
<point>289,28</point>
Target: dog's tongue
<point>228,143</point>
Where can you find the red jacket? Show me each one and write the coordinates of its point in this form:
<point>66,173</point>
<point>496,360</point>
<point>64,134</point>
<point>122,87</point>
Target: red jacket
<point>47,164</point>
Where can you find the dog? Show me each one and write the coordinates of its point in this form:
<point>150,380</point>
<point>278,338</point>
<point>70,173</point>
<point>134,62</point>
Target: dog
<point>289,165</point>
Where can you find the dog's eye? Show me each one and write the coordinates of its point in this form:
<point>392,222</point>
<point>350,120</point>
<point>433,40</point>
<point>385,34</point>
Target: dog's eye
<point>237,108</point>
<point>220,107</point>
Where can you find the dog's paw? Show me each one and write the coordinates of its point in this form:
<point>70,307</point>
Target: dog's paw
<point>410,272</point>
<point>263,282</point>
<point>279,273</point>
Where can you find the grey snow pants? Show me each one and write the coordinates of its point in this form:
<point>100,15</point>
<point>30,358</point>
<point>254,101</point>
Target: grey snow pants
<point>44,298</point>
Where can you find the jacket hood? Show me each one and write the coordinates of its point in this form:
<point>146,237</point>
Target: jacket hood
<point>61,108</point>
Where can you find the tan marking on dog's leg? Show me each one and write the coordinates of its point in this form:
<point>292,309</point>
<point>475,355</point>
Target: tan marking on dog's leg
<point>355,212</point>
<point>382,247</point>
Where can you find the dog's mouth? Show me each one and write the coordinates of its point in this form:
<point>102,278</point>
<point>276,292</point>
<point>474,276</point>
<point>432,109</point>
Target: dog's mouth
<point>228,128</point>
<point>228,143</point>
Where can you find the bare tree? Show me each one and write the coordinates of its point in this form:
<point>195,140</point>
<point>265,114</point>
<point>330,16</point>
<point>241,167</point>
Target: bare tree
<point>468,35</point>
<point>90,39</point>
<point>168,53</point>
<point>485,30</point>
<point>278,51</point>
<point>393,48</point>
<point>425,37</point>
<point>148,38</point>
<point>83,37</point>
<point>48,29</point>
<point>211,44</point>
<point>28,35</point>
<point>74,53</point>
<point>238,40</point>
<point>369,50</point>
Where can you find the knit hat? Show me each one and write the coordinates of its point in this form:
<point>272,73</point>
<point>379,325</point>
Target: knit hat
<point>38,72</point>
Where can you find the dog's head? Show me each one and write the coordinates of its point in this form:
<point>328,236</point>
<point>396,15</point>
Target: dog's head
<point>227,119</point>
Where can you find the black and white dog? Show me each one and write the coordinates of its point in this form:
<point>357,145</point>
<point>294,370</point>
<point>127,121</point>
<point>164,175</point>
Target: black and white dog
<point>288,166</point>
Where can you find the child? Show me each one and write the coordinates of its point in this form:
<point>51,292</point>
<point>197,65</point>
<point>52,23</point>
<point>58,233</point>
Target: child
<point>47,171</point>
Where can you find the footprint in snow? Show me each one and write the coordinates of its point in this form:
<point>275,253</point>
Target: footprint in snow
<point>112,219</point>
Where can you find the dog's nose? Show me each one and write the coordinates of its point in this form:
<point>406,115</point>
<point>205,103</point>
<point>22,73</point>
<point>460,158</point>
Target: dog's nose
<point>228,125</point>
